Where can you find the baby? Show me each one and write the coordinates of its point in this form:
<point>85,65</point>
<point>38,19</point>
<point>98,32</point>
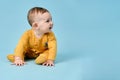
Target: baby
<point>39,42</point>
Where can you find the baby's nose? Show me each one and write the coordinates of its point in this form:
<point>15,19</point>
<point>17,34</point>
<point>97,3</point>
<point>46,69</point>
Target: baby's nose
<point>51,23</point>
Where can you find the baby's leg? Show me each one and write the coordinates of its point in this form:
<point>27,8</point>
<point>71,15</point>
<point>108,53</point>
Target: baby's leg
<point>11,57</point>
<point>42,57</point>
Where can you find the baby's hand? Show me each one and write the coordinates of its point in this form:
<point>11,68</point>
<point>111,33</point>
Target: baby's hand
<point>48,63</point>
<point>18,61</point>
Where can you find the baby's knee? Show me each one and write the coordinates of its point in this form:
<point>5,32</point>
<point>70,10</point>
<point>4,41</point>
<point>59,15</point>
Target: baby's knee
<point>40,60</point>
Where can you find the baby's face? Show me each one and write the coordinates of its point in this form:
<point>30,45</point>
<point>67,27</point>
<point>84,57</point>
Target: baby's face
<point>44,22</point>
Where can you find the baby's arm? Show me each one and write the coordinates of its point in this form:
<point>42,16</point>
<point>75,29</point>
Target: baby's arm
<point>52,46</point>
<point>20,50</point>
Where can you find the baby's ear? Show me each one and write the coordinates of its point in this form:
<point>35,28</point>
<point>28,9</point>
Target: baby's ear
<point>34,25</point>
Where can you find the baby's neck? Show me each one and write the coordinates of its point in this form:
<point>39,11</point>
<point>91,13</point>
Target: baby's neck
<point>38,34</point>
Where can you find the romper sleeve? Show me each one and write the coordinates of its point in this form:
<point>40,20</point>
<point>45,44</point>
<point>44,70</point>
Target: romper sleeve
<point>52,46</point>
<point>22,45</point>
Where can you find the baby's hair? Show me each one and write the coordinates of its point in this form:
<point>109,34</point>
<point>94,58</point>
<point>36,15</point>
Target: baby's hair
<point>33,11</point>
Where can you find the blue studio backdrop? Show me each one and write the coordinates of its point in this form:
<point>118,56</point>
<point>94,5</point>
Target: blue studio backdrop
<point>88,36</point>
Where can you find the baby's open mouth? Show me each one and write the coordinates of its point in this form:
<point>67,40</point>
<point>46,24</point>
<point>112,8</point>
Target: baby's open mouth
<point>50,27</point>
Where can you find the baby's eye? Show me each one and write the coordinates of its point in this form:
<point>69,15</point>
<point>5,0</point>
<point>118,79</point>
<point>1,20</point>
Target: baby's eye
<point>48,21</point>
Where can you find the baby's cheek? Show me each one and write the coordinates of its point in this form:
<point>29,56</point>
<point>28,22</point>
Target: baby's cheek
<point>46,27</point>
<point>43,28</point>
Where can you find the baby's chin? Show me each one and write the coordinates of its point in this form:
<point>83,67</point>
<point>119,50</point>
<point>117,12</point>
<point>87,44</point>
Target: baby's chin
<point>50,30</point>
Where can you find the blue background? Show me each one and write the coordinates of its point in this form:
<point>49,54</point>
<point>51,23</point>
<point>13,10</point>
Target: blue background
<point>88,35</point>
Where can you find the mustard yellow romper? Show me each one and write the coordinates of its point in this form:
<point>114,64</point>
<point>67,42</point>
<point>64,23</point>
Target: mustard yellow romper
<point>29,46</point>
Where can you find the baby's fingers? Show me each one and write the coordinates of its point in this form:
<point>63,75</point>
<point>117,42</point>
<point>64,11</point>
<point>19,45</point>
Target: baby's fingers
<point>19,63</point>
<point>47,64</point>
<point>50,64</point>
<point>44,64</point>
